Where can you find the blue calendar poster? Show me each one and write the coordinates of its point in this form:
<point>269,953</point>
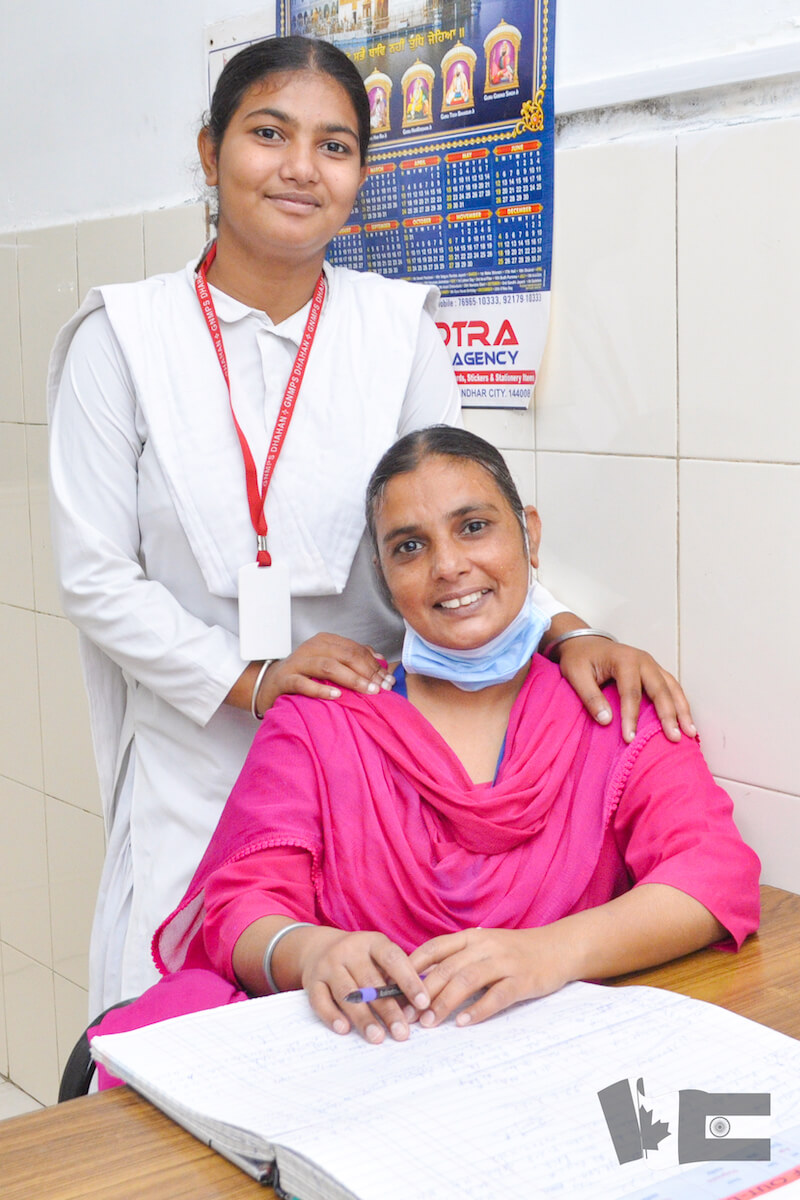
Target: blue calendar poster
<point>460,185</point>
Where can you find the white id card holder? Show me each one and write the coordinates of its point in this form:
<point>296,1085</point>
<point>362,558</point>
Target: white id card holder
<point>265,611</point>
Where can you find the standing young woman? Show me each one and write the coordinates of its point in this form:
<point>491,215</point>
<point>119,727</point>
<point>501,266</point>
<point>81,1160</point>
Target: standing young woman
<point>160,390</point>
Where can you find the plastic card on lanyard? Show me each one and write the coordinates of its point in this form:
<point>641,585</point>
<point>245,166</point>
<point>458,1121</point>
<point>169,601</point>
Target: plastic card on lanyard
<point>264,587</point>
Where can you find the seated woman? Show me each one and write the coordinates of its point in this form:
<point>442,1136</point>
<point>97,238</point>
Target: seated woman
<point>473,833</point>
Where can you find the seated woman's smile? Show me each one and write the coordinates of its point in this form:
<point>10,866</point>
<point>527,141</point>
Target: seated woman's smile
<point>452,552</point>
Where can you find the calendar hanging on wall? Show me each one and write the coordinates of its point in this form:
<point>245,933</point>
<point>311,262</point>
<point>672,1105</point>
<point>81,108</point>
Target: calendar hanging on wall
<point>459,191</point>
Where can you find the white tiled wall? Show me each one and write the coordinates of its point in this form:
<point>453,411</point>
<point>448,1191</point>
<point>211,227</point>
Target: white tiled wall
<point>609,544</point>
<point>16,581</point>
<point>3,1036</point>
<point>48,296</point>
<point>664,455</point>
<point>112,250</point>
<point>667,436</point>
<point>608,378</point>
<point>11,408</point>
<point>31,1024</point>
<point>740,638</point>
<point>738,266</point>
<point>24,885</point>
<point>51,831</point>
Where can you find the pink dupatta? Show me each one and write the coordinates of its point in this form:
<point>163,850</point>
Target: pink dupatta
<point>401,839</point>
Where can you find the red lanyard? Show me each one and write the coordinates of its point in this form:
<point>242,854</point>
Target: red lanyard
<point>256,497</point>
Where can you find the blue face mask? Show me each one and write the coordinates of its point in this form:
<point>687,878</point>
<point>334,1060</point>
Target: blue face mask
<point>496,662</point>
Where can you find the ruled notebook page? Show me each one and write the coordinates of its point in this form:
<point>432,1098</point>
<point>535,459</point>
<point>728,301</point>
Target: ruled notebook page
<point>510,1105</point>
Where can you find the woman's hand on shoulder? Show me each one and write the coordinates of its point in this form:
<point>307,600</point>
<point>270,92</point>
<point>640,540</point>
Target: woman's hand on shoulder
<point>334,964</point>
<point>321,667</point>
<point>589,662</point>
<point>504,965</point>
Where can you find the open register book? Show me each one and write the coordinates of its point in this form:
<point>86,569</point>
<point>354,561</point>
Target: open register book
<point>507,1108</point>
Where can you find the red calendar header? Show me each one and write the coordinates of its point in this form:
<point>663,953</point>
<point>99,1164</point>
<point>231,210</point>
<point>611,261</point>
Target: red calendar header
<point>518,148</point>
<point>381,226</point>
<point>382,168</point>
<point>432,160</point>
<point>477,214</point>
<point>520,210</point>
<point>348,229</point>
<point>434,219</point>
<point>465,155</point>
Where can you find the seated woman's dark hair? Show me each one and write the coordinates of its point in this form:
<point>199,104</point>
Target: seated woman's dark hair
<point>445,442</point>
<point>273,55</point>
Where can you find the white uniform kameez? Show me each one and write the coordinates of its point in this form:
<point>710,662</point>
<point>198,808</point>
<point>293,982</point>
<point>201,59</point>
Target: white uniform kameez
<point>151,524</point>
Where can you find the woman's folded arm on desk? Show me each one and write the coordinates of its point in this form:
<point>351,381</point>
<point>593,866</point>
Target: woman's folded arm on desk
<point>649,925</point>
<point>273,885</point>
<point>646,926</point>
<point>670,834</point>
<point>328,962</point>
<point>695,883</point>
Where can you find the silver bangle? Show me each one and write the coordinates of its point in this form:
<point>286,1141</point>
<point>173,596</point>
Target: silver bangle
<point>270,950</point>
<point>550,647</point>
<point>265,666</point>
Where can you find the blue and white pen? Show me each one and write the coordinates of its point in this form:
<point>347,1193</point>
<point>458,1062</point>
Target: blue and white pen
<point>368,994</point>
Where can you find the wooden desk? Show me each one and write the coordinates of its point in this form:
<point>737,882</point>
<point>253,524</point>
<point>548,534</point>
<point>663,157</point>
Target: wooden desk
<point>116,1146</point>
<point>761,982</point>
<point>113,1146</point>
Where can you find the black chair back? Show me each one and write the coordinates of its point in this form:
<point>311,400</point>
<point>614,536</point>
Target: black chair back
<point>79,1071</point>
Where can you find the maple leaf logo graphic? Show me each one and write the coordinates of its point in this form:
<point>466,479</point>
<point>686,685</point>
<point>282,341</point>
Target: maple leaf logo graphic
<point>652,1132</point>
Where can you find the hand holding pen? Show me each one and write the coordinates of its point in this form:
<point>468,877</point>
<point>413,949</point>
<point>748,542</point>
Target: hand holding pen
<point>368,994</point>
<point>335,962</point>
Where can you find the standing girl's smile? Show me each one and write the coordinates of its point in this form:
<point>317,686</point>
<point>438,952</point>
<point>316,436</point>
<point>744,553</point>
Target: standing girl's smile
<point>288,169</point>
